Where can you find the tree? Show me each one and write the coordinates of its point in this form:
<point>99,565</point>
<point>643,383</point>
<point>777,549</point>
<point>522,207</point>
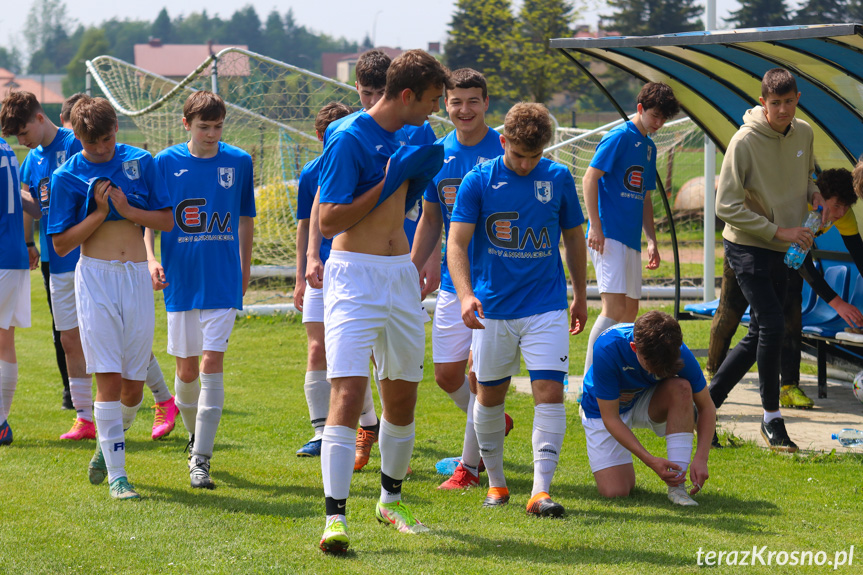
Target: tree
<point>481,37</point>
<point>652,17</point>
<point>163,28</point>
<point>47,36</point>
<point>10,59</point>
<point>122,35</point>
<point>759,13</point>
<point>93,43</point>
<point>541,71</point>
<point>275,38</point>
<point>824,12</point>
<point>244,27</point>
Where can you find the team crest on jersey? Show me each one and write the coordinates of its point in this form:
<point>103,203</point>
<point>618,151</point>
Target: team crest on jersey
<point>61,157</point>
<point>132,169</point>
<point>542,191</point>
<point>649,152</point>
<point>226,177</point>
<point>481,160</point>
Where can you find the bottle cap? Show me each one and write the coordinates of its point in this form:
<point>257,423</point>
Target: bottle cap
<point>834,436</point>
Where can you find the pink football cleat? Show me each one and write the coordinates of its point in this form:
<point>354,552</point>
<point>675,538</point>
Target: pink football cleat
<point>166,413</point>
<point>81,429</point>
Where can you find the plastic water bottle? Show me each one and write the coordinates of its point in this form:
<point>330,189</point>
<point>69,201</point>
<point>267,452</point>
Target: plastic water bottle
<point>849,437</point>
<point>796,254</point>
<point>565,384</point>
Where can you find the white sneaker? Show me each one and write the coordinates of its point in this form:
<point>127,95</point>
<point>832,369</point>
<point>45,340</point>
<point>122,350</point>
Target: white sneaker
<point>679,496</point>
<point>199,472</point>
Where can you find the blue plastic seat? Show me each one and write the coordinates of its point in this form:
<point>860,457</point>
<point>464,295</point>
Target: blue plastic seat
<point>821,313</point>
<point>837,324</point>
<point>707,308</point>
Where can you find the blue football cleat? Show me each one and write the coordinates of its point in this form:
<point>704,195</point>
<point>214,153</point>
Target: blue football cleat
<point>310,449</point>
<point>5,434</point>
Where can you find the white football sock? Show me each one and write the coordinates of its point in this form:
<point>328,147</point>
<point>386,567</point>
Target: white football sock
<point>186,400</point>
<point>338,446</point>
<point>156,381</point>
<point>549,427</point>
<point>210,406</point>
<point>109,425</point>
<point>368,416</point>
<point>81,390</point>
<point>461,396</point>
<point>490,425</point>
<point>317,389</point>
<point>396,443</point>
<point>679,448</point>
<point>602,323</point>
<point>129,413</point>
<point>771,415</point>
<point>8,383</point>
<point>470,450</point>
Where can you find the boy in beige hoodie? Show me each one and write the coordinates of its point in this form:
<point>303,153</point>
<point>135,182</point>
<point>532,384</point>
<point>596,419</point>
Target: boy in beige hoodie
<point>764,186</point>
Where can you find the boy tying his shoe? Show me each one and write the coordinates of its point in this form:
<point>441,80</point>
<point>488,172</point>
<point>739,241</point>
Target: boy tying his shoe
<point>643,376</point>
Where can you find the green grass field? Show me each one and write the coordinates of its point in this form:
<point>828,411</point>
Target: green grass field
<point>266,514</point>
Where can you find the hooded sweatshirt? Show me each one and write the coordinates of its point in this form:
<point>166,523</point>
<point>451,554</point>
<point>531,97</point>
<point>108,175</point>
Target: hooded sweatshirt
<point>765,181</point>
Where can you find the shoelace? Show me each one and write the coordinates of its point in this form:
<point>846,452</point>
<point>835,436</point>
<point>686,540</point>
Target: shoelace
<point>161,413</point>
<point>364,438</point>
<point>201,468</point>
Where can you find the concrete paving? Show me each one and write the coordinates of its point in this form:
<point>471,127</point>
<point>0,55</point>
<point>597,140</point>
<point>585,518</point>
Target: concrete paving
<point>741,413</point>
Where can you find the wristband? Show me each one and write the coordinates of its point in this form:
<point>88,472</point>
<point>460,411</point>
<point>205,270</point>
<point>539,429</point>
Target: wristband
<point>31,244</point>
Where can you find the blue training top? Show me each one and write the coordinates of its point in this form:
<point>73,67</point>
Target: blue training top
<point>41,163</point>
<point>307,189</point>
<point>201,254</point>
<point>13,251</point>
<point>131,169</point>
<point>629,162</point>
<point>617,374</point>
<point>458,161</point>
<point>519,271</point>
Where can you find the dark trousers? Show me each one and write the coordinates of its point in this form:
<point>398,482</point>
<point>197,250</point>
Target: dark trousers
<point>763,279</point>
<point>58,346</point>
<point>732,306</point>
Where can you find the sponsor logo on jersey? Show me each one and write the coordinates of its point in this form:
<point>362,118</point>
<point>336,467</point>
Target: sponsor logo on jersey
<point>45,191</point>
<point>226,177</point>
<point>181,172</point>
<point>449,159</point>
<point>637,144</point>
<point>192,220</point>
<point>39,163</point>
<point>498,185</point>
<point>633,180</point>
<point>446,191</point>
<point>132,169</point>
<point>61,157</point>
<point>378,147</point>
<point>503,234</point>
<point>542,191</point>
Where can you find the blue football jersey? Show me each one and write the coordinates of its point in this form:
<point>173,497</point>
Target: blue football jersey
<point>517,270</point>
<point>306,191</point>
<point>131,169</point>
<point>41,163</point>
<point>13,252</point>
<point>354,159</point>
<point>24,169</point>
<point>629,162</point>
<point>617,374</point>
<point>458,161</point>
<point>201,254</point>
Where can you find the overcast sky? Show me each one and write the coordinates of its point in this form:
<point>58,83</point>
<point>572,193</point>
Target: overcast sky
<point>397,23</point>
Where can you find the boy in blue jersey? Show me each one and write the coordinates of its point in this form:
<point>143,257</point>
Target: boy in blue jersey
<point>100,200</point>
<point>309,299</point>
<point>22,116</point>
<point>617,188</point>
<point>371,72</point>
<point>471,144</point>
<point>14,278</point>
<point>207,258</point>
<point>371,292</point>
<point>643,376</point>
<point>513,291</point>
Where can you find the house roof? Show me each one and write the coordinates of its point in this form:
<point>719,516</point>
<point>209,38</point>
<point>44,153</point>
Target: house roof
<point>179,60</point>
<point>44,93</point>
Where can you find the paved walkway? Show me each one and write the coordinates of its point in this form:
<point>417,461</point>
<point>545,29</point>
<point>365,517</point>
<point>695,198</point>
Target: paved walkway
<point>741,413</point>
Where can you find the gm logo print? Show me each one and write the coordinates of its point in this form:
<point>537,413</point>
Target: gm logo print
<point>633,180</point>
<point>192,220</point>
